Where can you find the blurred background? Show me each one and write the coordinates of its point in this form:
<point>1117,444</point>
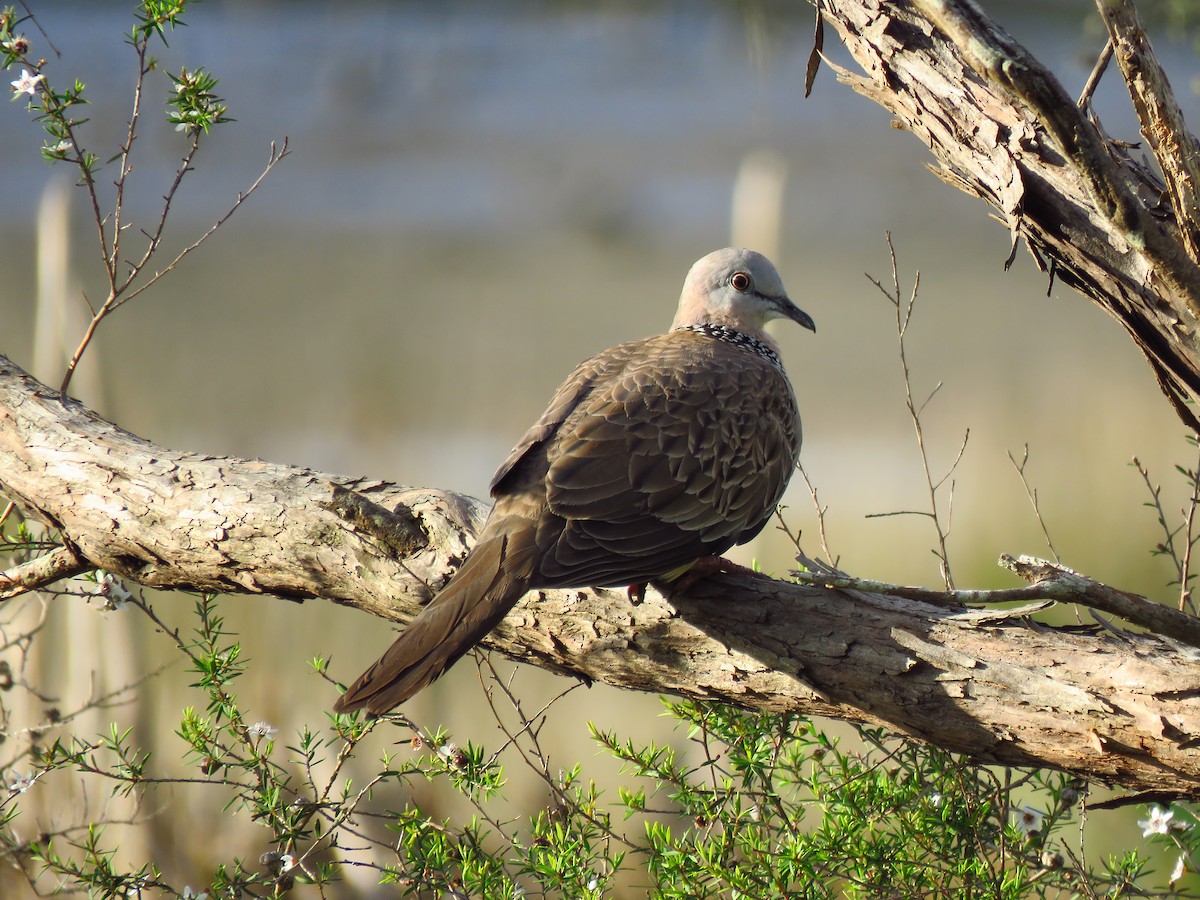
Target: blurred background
<point>481,194</point>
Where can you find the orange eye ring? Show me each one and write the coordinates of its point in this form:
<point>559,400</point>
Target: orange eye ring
<point>740,282</point>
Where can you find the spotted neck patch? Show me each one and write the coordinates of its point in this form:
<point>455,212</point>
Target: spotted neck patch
<point>738,339</point>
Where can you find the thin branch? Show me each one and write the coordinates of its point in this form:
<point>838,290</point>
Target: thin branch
<point>276,156</point>
<point>1166,547</point>
<point>155,237</point>
<point>42,31</point>
<point>1051,582</point>
<point>1031,493</point>
<point>120,295</point>
<point>899,512</point>
<point>932,394</point>
<point>823,576</point>
<point>42,571</point>
<point>124,167</point>
<point>1185,568</point>
<point>821,510</point>
<point>1085,96</point>
<point>112,261</point>
<point>962,448</point>
<point>904,314</point>
<point>1067,585</point>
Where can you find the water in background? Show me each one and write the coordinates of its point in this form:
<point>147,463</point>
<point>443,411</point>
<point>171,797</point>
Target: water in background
<point>480,195</point>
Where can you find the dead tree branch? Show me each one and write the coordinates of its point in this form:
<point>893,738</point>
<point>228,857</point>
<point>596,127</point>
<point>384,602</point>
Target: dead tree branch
<point>1116,707</point>
<point>1002,128</point>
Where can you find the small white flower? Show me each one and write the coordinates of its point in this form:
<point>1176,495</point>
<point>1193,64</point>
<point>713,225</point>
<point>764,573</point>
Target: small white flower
<point>60,149</point>
<point>108,593</point>
<point>593,883</point>
<point>189,894</point>
<point>1158,823</point>
<point>262,730</point>
<point>27,83</point>
<point>287,862</point>
<point>518,892</point>
<point>22,783</point>
<point>935,799</point>
<point>1027,819</point>
<point>1177,872</point>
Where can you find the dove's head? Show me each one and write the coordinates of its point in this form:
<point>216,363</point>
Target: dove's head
<point>739,289</point>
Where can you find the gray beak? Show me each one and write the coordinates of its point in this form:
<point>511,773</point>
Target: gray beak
<point>790,310</point>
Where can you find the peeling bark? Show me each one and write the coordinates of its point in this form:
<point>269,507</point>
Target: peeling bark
<point>1122,709</point>
<point>1002,128</point>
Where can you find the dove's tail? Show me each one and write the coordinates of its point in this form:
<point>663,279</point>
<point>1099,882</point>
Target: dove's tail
<point>495,576</point>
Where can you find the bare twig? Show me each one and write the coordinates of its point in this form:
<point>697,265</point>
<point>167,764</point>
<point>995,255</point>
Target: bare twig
<point>1181,562</point>
<point>904,312</point>
<point>821,510</point>
<point>955,599</point>
<point>1050,581</point>
<point>1032,494</point>
<point>1189,541</point>
<point>121,294</point>
<point>277,154</point>
<point>42,31</point>
<point>1102,61</point>
<point>112,260</point>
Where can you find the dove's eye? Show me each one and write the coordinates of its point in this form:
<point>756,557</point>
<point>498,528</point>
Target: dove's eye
<point>740,282</point>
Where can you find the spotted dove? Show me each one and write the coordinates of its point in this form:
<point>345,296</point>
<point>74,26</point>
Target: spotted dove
<point>651,456</point>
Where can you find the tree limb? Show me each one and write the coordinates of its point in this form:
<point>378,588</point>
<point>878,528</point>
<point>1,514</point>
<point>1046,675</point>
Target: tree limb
<point>41,572</point>
<point>1003,129</point>
<point>1162,121</point>
<point>1050,582</point>
<point>1120,708</point>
